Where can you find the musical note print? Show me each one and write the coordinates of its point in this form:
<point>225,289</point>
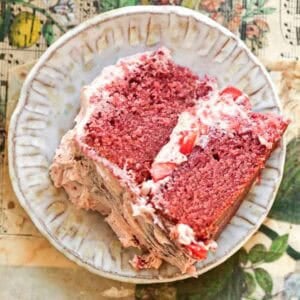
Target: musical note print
<point>87,9</point>
<point>292,34</point>
<point>290,21</point>
<point>291,7</point>
<point>289,56</point>
<point>298,8</point>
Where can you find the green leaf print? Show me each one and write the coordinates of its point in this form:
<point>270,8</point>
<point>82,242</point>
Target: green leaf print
<point>223,282</point>
<point>189,3</point>
<point>106,5</point>
<point>257,253</point>
<point>156,291</point>
<point>267,297</point>
<point>243,256</point>
<point>5,20</point>
<point>267,10</point>
<point>261,3</point>
<point>123,3</point>
<point>273,235</point>
<point>48,33</point>
<point>250,284</point>
<point>287,204</point>
<point>278,247</point>
<point>208,286</point>
<point>249,4</point>
<point>264,280</point>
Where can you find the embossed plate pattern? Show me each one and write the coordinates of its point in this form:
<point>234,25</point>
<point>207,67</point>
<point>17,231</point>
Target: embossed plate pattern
<point>49,102</point>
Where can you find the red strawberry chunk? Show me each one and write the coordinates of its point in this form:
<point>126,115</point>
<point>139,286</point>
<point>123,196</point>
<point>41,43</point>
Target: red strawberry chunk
<point>138,262</point>
<point>161,170</point>
<point>197,251</point>
<point>187,142</point>
<point>230,90</point>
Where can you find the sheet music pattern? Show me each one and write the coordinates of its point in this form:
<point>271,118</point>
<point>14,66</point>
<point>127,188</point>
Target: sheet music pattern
<point>277,23</point>
<point>290,26</point>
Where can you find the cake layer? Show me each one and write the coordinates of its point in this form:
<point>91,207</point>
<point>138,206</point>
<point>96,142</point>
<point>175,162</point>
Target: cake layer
<point>143,107</point>
<point>166,156</point>
<point>214,154</point>
<point>202,189</point>
<point>93,185</point>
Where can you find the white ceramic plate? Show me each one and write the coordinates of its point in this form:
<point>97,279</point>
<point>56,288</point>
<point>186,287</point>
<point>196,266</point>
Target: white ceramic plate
<point>50,100</point>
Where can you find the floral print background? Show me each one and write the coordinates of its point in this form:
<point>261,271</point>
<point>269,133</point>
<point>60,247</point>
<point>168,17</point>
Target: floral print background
<point>268,267</point>
<point>245,18</point>
<point>24,21</point>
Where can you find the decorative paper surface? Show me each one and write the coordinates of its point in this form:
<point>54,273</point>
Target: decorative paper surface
<point>268,267</point>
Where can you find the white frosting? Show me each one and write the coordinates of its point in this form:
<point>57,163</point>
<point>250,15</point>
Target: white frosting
<point>146,187</point>
<point>218,111</point>
<point>171,151</point>
<point>212,245</point>
<point>125,176</point>
<point>152,187</point>
<point>203,141</point>
<point>142,207</point>
<point>215,112</point>
<point>185,234</point>
<point>108,74</point>
<point>264,142</point>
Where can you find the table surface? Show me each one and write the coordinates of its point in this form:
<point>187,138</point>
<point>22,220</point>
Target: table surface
<point>268,267</point>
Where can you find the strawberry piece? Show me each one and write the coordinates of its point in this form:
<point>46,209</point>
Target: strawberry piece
<point>161,170</point>
<point>197,251</point>
<point>138,262</point>
<point>187,142</point>
<point>230,90</point>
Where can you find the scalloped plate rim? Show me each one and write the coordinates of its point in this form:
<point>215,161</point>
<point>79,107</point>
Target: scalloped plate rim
<point>166,9</point>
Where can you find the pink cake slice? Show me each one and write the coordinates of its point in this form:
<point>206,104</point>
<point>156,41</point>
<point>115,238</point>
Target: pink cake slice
<point>166,156</point>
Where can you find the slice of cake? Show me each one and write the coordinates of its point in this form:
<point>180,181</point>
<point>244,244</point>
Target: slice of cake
<point>166,156</point>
